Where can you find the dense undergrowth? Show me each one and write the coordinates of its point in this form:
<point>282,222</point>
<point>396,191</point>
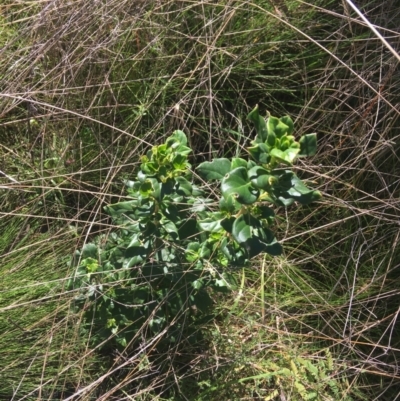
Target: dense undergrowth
<point>88,87</point>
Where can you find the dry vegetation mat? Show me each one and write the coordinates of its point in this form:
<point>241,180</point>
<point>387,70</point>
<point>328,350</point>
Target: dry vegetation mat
<point>89,87</point>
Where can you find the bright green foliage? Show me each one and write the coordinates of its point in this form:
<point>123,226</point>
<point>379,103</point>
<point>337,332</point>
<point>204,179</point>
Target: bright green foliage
<point>275,142</point>
<point>174,242</point>
<point>292,376</point>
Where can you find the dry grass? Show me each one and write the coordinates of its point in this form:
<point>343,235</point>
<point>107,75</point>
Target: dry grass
<point>86,86</point>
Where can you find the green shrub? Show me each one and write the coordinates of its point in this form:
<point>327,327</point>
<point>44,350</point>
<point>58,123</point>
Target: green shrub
<point>175,241</point>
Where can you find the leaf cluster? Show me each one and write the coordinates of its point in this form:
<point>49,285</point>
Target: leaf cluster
<point>174,242</point>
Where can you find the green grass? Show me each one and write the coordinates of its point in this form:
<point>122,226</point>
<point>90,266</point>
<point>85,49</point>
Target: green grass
<point>103,82</point>
<point>40,350</point>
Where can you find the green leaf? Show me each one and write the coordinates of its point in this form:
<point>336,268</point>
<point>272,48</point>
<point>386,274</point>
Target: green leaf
<point>238,162</point>
<point>251,164</point>
<point>227,224</point>
<point>276,126</point>
<point>210,225</point>
<point>221,283</point>
<point>91,264</point>
<point>249,233</point>
<point>149,168</point>
<point>177,138</point>
<point>312,196</point>
<point>170,210</point>
<point>214,170</point>
<point>266,213</point>
<point>260,125</point>
<point>129,183</point>
<point>229,205</point>
<point>135,255</point>
<point>150,187</point>
<point>198,284</point>
<point>146,188</point>
<point>192,251</point>
<point>237,184</point>
<point>170,228</point>
<point>308,145</point>
<point>284,179</point>
<point>183,151</point>
<point>292,153</point>
<point>90,251</point>
<point>284,201</point>
<point>290,188</point>
<point>205,251</point>
<point>298,187</point>
<point>179,162</point>
<point>271,139</point>
<point>135,240</point>
<point>289,123</point>
<point>261,178</point>
<point>117,209</point>
<point>274,248</point>
<point>141,177</point>
<point>161,151</point>
<point>226,247</point>
<point>260,153</point>
<point>241,229</point>
<point>282,157</point>
<point>184,186</point>
<point>144,209</point>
